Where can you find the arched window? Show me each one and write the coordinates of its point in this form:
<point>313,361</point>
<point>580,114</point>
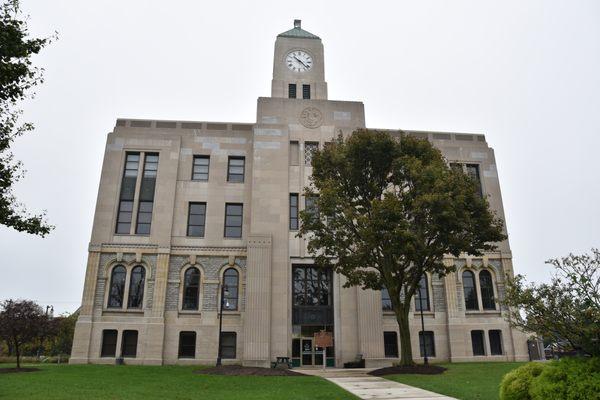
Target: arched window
<point>117,287</point>
<point>422,295</point>
<point>191,289</point>
<point>136,287</point>
<point>469,290</point>
<point>487,290</point>
<point>230,293</point>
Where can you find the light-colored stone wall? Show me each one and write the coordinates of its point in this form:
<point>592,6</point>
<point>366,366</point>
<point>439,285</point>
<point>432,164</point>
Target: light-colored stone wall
<point>267,249</point>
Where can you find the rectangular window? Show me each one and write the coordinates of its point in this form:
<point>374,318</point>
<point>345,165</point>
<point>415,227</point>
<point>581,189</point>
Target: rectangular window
<point>109,343</point>
<point>477,342</point>
<point>310,149</point>
<point>228,344</point>
<point>293,211</point>
<point>233,220</point>
<point>311,206</point>
<point>422,295</point>
<point>128,182</point>
<point>473,173</point>
<point>294,152</point>
<point>311,286</point>
<point>495,342</point>
<point>426,343</point>
<point>386,301</point>
<point>144,218</point>
<point>187,344</point>
<point>129,345</point>
<point>292,90</point>
<point>235,169</point>
<point>196,219</point>
<point>390,344</point>
<point>200,168</point>
<point>456,167</point>
<point>306,92</point>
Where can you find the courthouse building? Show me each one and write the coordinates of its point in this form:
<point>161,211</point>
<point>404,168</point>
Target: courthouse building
<point>185,206</point>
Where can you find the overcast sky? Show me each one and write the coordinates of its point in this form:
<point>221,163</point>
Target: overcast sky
<point>524,73</point>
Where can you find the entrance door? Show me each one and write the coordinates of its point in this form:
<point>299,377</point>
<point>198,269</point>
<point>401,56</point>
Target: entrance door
<point>307,352</point>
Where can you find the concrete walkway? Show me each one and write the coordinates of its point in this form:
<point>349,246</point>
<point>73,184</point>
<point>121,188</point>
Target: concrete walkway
<point>364,386</point>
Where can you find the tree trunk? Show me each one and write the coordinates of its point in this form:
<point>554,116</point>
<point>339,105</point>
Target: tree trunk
<point>406,358</point>
<point>18,355</point>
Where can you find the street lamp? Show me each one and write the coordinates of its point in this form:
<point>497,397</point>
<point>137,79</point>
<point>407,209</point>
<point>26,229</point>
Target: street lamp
<point>425,360</point>
<point>223,302</point>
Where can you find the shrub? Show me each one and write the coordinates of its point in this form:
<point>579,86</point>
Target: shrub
<point>568,379</point>
<point>515,385</point>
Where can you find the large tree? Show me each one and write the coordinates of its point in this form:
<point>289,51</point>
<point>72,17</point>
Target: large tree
<point>17,77</point>
<point>22,322</point>
<point>567,308</point>
<point>390,209</point>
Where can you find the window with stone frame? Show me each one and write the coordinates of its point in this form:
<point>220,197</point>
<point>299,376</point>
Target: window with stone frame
<point>228,345</point>
<point>127,195</point>
<point>294,211</point>
<point>427,343</point>
<point>116,291</point>
<point>470,291</point>
<point>136,287</point>
<point>109,343</point>
<point>236,169</point>
<point>201,167</point>
<point>495,336</point>
<point>231,280</point>
<point>422,295</point>
<point>233,220</point>
<point>129,343</point>
<point>191,289</point>
<point>196,219</point>
<point>310,148</point>
<point>187,344</point>
<point>478,343</point>
<point>390,344</point>
<point>386,301</point>
<point>146,195</point>
<point>486,286</point>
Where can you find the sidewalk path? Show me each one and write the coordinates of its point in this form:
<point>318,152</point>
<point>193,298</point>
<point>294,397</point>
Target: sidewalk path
<point>364,386</point>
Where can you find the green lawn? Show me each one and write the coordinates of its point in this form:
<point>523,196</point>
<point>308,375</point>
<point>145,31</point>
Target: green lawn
<point>89,382</point>
<point>466,381</point>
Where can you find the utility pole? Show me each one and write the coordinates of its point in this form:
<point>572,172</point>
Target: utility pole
<point>223,291</point>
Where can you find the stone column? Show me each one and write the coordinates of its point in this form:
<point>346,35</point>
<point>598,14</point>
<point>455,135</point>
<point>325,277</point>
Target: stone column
<point>370,325</point>
<point>257,316</point>
<point>455,316</point>
<point>155,332</point>
<point>83,327</point>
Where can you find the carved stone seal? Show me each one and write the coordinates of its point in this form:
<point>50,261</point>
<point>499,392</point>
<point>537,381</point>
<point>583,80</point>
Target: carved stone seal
<point>311,117</point>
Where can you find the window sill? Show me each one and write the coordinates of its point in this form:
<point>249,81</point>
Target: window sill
<point>190,312</point>
<point>484,312</point>
<point>122,310</point>
<point>233,312</point>
<point>417,314</point>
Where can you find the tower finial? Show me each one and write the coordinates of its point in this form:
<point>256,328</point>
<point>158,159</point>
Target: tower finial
<point>298,23</point>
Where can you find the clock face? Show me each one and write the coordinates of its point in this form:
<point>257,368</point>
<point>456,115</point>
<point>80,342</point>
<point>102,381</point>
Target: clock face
<point>298,61</point>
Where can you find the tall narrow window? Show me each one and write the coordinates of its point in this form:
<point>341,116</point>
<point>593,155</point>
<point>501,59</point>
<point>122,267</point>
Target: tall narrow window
<point>469,290</point>
<point>311,286</point>
<point>310,148</point>
<point>426,343</point>
<point>487,290</point>
<point>191,289</point>
<point>235,169</point>
<point>293,211</point>
<point>228,344</point>
<point>233,220</point>
<point>311,206</point>
<point>231,289</point>
<point>292,90</point>
<point>129,344</point>
<point>422,295</point>
<point>136,287</point>
<point>109,343</point>
<point>306,92</point>
<point>144,218</point>
<point>386,301</point>
<point>473,173</point>
<point>187,344</point>
<point>196,219</point>
<point>124,216</point>
<point>117,287</point>
<point>495,342</point>
<point>200,168</point>
<point>390,344</point>
<point>477,342</point>
<point>294,152</point>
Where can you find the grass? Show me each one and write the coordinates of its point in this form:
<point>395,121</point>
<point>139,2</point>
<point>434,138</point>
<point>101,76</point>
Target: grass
<point>465,381</point>
<point>92,382</point>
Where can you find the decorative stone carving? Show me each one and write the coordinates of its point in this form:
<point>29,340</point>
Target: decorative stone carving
<point>311,117</point>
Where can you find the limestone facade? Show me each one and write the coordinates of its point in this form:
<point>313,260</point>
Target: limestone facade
<point>145,242</point>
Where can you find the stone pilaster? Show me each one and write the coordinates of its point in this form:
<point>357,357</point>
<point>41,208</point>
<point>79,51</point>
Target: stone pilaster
<point>83,328</point>
<point>155,332</point>
<point>370,324</point>
<point>257,318</point>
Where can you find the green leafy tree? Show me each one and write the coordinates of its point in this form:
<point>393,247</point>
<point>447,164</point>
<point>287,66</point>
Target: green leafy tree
<point>17,77</point>
<point>567,308</point>
<point>390,209</point>
<point>22,323</point>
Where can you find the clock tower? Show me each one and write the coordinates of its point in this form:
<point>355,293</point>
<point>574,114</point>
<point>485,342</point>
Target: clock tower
<point>299,65</point>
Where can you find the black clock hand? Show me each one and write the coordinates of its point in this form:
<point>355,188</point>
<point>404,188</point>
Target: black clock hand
<point>301,62</point>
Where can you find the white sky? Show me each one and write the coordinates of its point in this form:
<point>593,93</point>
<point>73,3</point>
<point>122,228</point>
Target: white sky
<point>524,73</point>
